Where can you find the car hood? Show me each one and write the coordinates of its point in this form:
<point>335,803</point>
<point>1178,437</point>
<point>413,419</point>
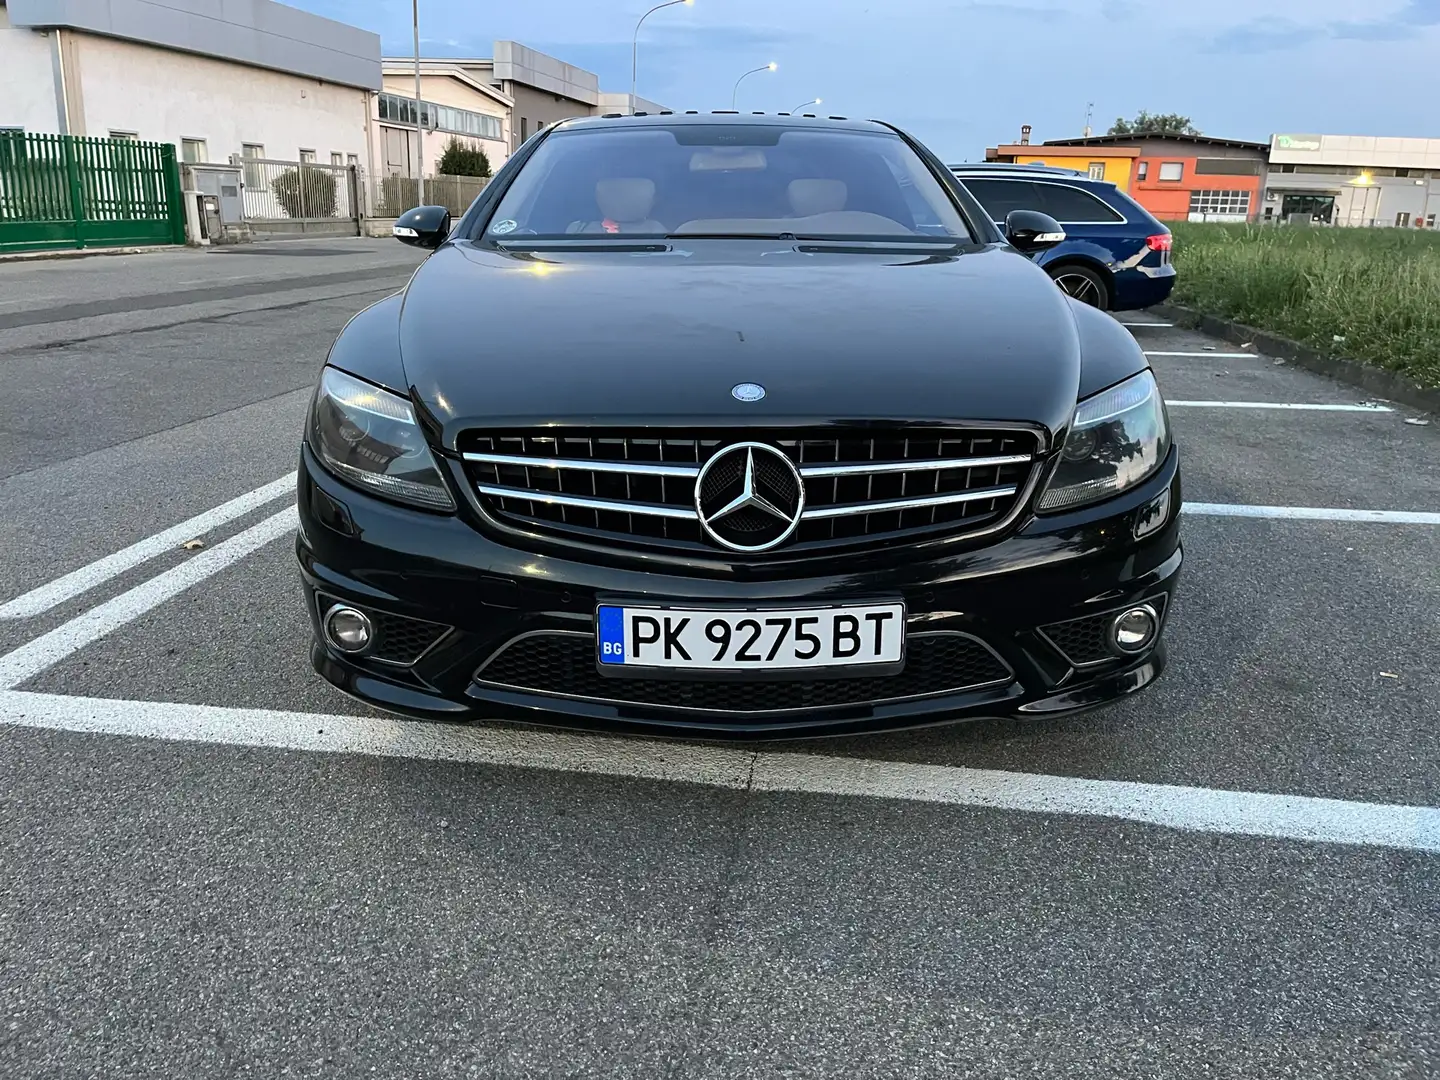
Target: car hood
<point>566,336</point>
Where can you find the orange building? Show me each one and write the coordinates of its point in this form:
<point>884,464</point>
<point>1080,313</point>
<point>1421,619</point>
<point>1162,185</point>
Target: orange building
<point>1112,163</point>
<point>1182,177</point>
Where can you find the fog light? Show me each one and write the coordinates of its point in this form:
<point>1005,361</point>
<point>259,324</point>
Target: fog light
<point>1134,629</point>
<point>348,629</point>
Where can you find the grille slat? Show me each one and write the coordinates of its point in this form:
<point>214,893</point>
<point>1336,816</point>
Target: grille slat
<point>563,663</point>
<point>861,487</point>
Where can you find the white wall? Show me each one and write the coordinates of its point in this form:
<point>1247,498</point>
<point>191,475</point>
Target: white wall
<point>166,96</point>
<point>28,98</point>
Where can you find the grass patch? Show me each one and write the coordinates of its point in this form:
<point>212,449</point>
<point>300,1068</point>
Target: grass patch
<point>1378,289</point>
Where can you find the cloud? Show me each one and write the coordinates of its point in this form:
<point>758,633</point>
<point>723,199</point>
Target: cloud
<point>1273,34</point>
<point>1264,35</point>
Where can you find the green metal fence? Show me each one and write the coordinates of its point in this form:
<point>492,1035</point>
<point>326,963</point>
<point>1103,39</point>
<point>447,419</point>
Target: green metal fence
<point>62,191</point>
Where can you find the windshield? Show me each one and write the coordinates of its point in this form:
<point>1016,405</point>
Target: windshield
<point>726,180</point>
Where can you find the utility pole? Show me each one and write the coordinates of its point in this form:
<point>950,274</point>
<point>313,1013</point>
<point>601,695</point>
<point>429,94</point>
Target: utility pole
<point>1089,111</point>
<point>419,125</point>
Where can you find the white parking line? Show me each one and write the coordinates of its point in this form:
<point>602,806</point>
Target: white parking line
<point>1301,406</point>
<point>1312,513</point>
<point>1158,325</point>
<point>87,577</point>
<point>1211,355</point>
<point>1192,809</point>
<point>35,656</point>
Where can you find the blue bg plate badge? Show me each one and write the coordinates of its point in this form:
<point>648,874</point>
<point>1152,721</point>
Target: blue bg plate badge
<point>611,635</point>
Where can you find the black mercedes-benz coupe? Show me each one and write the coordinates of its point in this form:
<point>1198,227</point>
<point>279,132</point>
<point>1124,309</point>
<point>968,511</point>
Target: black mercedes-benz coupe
<point>735,426</point>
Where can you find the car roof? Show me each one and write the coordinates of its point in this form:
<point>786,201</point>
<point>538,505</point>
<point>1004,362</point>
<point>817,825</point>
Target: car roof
<point>1010,168</point>
<point>720,117</point>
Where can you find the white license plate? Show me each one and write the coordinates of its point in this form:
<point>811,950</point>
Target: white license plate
<point>767,639</point>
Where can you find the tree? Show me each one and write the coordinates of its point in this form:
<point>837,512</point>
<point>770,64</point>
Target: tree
<point>461,159</point>
<point>305,193</point>
<point>1157,124</point>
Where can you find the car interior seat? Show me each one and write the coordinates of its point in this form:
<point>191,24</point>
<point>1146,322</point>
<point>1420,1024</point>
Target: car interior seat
<point>624,204</point>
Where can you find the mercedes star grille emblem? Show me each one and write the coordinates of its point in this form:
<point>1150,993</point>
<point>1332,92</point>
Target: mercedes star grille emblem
<point>747,391</point>
<point>749,497</point>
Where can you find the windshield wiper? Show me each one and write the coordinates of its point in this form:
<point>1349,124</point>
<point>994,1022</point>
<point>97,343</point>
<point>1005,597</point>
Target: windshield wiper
<point>730,236</point>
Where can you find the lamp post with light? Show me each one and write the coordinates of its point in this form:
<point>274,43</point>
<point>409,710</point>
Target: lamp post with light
<point>806,105</point>
<point>735,95</point>
<point>635,44</point>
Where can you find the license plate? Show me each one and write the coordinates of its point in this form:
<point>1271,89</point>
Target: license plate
<point>769,639</point>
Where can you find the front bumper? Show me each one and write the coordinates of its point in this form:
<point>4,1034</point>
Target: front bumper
<point>505,633</point>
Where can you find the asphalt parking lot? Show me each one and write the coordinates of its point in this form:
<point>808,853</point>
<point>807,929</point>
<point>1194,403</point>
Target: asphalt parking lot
<point>216,865</point>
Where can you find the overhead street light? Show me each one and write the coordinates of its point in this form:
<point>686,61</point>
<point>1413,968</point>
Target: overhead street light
<point>635,44</point>
<point>806,105</point>
<point>735,95</point>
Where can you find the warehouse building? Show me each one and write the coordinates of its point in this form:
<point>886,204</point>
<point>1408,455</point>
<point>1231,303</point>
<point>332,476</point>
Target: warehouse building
<point>254,79</point>
<point>1353,180</point>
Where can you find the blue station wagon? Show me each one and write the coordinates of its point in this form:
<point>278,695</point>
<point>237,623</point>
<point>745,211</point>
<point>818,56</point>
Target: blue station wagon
<point>1115,255</point>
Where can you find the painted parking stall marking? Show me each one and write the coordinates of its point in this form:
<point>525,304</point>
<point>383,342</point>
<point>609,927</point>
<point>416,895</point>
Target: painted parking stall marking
<point>1290,405</point>
<point>1312,513</point>
<point>77,582</point>
<point>1203,355</point>
<point>48,649</point>
<point>1192,809</point>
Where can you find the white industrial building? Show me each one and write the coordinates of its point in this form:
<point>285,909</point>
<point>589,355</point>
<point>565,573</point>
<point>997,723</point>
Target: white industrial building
<point>1353,180</point>
<point>247,78</point>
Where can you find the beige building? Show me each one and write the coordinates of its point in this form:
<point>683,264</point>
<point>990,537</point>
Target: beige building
<point>454,104</point>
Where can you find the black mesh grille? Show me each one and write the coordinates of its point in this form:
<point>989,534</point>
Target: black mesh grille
<point>1083,641</point>
<point>398,640</point>
<point>564,664</point>
<point>695,448</point>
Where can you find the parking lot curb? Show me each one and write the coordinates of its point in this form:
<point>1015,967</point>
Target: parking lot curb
<point>1383,384</point>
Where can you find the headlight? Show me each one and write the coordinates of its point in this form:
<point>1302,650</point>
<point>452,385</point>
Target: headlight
<point>1118,438</point>
<point>369,437</point>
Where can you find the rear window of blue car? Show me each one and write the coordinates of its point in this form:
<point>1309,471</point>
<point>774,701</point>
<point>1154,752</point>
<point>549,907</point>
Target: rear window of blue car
<point>726,180</point>
<point>1064,202</point>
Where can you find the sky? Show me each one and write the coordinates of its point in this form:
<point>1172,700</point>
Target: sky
<point>965,74</point>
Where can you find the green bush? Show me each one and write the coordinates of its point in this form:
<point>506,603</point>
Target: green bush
<point>461,159</point>
<point>1368,294</point>
<point>306,193</point>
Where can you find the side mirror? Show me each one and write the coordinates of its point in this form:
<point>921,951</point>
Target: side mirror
<point>424,226</point>
<point>1031,231</point>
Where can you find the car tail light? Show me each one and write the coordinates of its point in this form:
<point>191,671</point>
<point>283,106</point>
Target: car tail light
<point>1159,242</point>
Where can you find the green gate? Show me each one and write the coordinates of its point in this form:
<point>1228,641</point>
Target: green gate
<point>62,191</point>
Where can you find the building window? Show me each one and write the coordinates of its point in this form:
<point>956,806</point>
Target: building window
<point>401,110</point>
<point>524,128</point>
<point>353,160</point>
<point>1142,170</point>
<point>254,174</point>
<point>193,151</point>
<point>128,135</point>
<point>1221,205</point>
<point>1097,170</point>
<point>1402,220</point>
<point>307,157</point>
<point>337,158</point>
<point>1227,167</point>
<point>1172,170</point>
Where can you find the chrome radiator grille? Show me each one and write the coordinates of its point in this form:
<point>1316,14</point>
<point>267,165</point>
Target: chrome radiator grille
<point>859,487</point>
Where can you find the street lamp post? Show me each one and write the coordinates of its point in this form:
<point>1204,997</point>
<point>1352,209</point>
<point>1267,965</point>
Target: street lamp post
<point>419,126</point>
<point>735,95</point>
<point>806,105</point>
<point>635,45</point>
